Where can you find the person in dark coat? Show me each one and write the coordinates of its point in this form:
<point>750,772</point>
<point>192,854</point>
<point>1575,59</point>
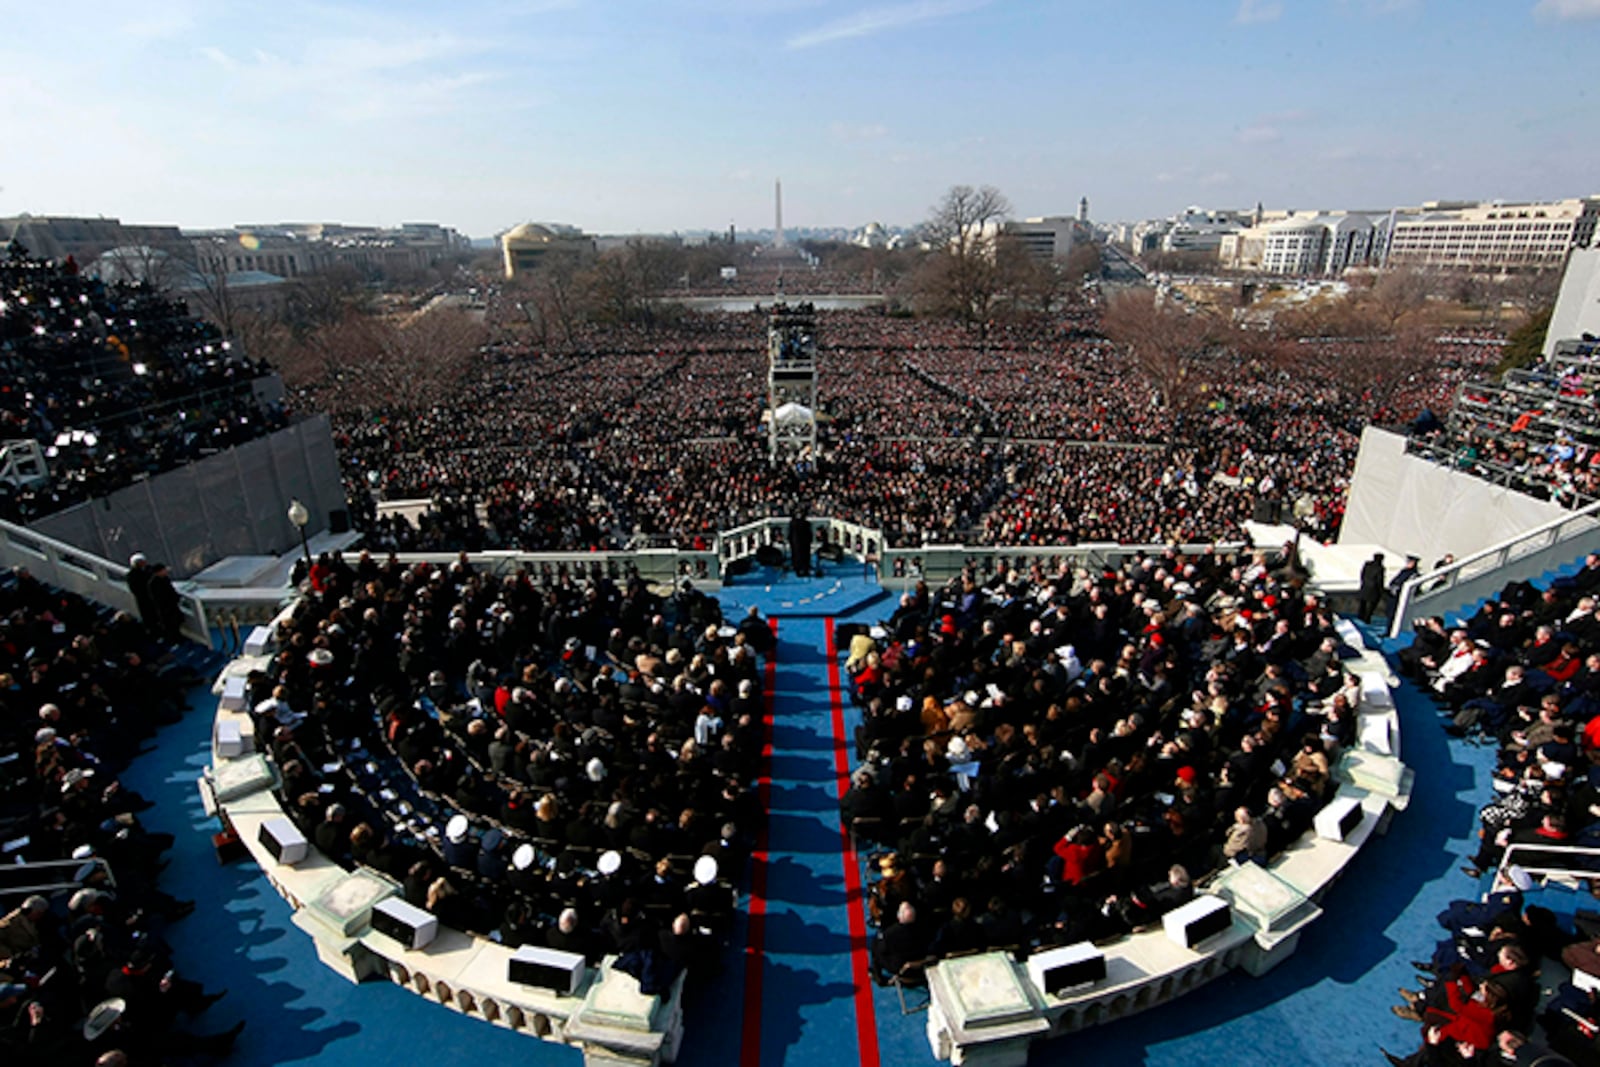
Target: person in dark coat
<point>900,944</point>
<point>800,543</point>
<point>168,607</point>
<point>1371,586</point>
<point>139,585</point>
<point>1398,582</point>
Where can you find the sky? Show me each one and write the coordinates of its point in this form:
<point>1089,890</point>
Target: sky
<point>629,115</point>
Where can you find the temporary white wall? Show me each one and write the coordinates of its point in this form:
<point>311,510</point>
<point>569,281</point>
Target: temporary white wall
<point>1577,309</point>
<point>1409,504</point>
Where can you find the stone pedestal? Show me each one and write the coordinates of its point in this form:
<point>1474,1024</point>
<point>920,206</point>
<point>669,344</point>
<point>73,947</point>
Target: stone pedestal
<point>618,1025</point>
<point>982,1011</point>
<point>344,956</point>
<point>344,902</point>
<point>335,912</point>
<point>232,779</point>
<point>1274,909</point>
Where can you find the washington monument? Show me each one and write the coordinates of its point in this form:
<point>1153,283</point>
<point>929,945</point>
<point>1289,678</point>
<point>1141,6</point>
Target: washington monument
<point>777,240</point>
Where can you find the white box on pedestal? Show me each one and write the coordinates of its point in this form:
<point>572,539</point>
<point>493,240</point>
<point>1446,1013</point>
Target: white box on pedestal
<point>283,840</point>
<point>1197,920</point>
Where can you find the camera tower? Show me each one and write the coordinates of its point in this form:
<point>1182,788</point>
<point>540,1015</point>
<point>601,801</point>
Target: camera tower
<point>792,384</point>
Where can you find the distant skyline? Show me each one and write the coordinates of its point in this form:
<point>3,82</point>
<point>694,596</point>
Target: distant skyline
<point>671,115</point>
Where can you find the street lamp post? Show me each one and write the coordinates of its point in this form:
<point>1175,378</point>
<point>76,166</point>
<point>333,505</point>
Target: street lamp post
<point>300,516</point>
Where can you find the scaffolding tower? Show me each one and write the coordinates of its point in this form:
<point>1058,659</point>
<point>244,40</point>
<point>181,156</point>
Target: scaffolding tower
<point>792,384</point>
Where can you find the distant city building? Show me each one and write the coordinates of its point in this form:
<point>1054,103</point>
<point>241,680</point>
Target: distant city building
<point>1051,237</point>
<point>1313,243</point>
<point>1492,234</point>
<point>213,295</point>
<point>609,241</point>
<point>286,249</point>
<point>290,249</point>
<point>525,247</point>
<point>1195,230</point>
<point>59,236</point>
<point>876,235</point>
<point>1046,238</point>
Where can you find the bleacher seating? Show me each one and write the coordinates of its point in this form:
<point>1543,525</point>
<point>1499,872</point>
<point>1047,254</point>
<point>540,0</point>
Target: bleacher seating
<point>115,382</point>
<point>1536,429</point>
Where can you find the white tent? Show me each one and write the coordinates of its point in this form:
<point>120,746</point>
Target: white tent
<point>792,415</point>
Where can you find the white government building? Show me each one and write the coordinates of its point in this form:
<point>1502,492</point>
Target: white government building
<point>1480,235</point>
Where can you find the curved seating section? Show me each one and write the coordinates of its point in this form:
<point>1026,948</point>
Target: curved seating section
<point>988,1005</point>
<point>608,1017</point>
<point>989,1008</point>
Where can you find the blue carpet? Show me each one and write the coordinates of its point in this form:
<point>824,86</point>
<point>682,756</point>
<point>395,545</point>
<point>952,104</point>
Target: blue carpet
<point>807,1012</point>
<point>1327,1004</point>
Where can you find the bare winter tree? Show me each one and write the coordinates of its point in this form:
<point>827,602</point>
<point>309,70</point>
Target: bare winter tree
<point>214,297</point>
<point>621,284</point>
<point>1165,342</point>
<point>554,299</point>
<point>962,275</point>
<point>371,361</point>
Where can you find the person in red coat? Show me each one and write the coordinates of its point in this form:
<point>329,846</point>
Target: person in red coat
<point>1078,855</point>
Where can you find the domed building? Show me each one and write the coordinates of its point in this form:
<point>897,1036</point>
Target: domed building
<point>525,247</point>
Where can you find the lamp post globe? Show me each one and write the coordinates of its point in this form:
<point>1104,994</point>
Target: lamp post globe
<point>300,517</point>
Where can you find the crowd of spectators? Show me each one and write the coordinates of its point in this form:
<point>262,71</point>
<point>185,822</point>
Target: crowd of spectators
<point>1050,755</point>
<point>628,437</point>
<point>114,382</point>
<point>575,756</point>
<point>85,973</point>
<point>1536,429</point>
<point>1523,674</point>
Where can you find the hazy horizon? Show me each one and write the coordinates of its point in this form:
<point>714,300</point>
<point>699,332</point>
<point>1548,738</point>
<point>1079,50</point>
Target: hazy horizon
<point>632,117</point>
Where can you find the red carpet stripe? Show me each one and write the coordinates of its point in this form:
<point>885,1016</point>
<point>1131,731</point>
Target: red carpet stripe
<point>866,1018</point>
<point>755,937</point>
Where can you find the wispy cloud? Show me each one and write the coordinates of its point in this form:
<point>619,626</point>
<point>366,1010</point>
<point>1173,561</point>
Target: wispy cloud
<point>852,131</point>
<point>875,20</point>
<point>1383,7</point>
<point>1189,174</point>
<point>157,21</point>
<point>1254,11</point>
<point>1567,10</point>
<point>1269,128</point>
<point>357,79</point>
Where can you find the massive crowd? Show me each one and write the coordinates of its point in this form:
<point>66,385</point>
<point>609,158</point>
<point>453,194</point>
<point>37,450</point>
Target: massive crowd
<point>1522,673</point>
<point>114,381</point>
<point>573,756</point>
<point>86,976</point>
<point>1054,755</point>
<point>633,437</point>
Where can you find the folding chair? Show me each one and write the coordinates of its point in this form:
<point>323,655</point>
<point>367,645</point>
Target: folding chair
<point>912,975</point>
